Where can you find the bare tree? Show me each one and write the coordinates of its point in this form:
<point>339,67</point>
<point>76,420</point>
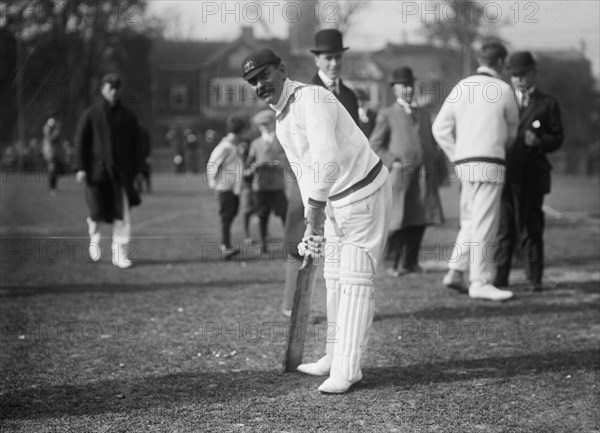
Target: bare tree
<point>461,24</point>
<point>61,46</point>
<point>340,14</point>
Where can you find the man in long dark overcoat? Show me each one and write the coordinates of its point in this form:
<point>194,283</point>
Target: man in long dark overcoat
<point>403,140</point>
<point>109,157</point>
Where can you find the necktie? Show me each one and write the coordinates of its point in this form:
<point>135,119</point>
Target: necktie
<point>332,88</point>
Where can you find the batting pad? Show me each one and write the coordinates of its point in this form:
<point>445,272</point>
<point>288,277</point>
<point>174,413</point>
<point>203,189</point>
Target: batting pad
<point>331,272</point>
<point>355,313</point>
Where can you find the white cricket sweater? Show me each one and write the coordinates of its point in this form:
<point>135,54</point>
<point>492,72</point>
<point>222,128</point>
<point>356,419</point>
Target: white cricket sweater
<point>328,152</point>
<point>224,167</point>
<point>478,119</point>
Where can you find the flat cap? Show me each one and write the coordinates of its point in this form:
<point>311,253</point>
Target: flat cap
<point>113,78</point>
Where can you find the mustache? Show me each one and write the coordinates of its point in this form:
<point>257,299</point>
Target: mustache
<point>264,92</point>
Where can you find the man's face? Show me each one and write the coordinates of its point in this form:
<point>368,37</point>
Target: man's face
<point>268,84</point>
<point>110,93</point>
<point>404,91</point>
<point>330,64</point>
<point>266,128</point>
<point>523,81</point>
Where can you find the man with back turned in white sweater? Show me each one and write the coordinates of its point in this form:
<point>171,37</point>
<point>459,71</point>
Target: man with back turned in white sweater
<point>347,199</point>
<point>478,119</point>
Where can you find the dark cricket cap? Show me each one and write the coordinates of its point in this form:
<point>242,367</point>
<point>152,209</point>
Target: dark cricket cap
<point>113,78</point>
<point>520,62</point>
<point>256,61</point>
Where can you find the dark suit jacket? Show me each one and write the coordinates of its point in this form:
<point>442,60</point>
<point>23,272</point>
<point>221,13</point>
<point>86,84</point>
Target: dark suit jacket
<point>107,145</point>
<point>346,97</point>
<point>368,126</point>
<point>527,166</point>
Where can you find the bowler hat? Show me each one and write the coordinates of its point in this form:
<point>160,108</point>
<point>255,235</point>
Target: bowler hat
<point>520,62</point>
<point>402,75</point>
<point>113,79</point>
<point>328,41</point>
<point>256,61</point>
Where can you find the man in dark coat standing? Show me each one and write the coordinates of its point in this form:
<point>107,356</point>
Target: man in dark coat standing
<point>109,159</point>
<point>403,140</point>
<point>527,173</point>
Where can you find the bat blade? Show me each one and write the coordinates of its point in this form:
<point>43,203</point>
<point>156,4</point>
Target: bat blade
<point>305,284</point>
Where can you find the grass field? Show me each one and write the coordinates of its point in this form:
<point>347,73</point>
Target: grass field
<point>183,342</point>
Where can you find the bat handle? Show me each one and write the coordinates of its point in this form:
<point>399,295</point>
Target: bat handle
<point>307,261</point>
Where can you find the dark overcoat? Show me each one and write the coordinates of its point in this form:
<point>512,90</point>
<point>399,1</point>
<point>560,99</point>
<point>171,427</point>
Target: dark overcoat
<point>108,149</point>
<point>407,139</point>
<point>527,167</point>
<point>346,97</point>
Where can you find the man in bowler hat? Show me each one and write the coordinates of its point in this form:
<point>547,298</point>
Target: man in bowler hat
<point>328,52</point>
<point>109,159</point>
<point>528,173</point>
<point>403,140</point>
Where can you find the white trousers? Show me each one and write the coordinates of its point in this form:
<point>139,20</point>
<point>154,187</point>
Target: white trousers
<point>121,228</point>
<point>475,247</point>
<point>364,224</point>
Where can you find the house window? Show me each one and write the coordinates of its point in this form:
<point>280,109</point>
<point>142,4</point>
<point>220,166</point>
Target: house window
<point>179,97</point>
<point>228,92</point>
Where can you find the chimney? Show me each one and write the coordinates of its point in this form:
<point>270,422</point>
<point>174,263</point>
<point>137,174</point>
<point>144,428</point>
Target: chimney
<point>247,33</point>
<point>302,24</point>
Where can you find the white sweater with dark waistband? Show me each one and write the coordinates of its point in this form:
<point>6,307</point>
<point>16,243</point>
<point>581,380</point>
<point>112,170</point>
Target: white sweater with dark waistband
<point>328,152</point>
<point>476,122</point>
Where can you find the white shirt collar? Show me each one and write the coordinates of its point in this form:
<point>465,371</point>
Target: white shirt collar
<point>328,81</point>
<point>289,87</point>
<point>405,105</point>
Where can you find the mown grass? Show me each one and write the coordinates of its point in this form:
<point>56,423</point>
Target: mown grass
<point>185,342</point>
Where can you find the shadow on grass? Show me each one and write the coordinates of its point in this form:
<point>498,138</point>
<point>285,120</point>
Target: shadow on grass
<point>480,309</point>
<point>233,389</point>
<point>485,368</point>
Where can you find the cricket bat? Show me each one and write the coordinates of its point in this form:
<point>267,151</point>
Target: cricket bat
<point>305,284</point>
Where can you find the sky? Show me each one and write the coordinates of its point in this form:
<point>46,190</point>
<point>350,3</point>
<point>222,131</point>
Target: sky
<point>534,25</point>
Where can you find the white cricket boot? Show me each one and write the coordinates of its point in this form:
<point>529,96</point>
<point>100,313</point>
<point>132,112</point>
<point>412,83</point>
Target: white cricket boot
<point>355,315</point>
<point>94,250</point>
<point>488,291</point>
<point>119,255</point>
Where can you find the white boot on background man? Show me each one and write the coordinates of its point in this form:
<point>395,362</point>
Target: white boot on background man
<point>94,247</point>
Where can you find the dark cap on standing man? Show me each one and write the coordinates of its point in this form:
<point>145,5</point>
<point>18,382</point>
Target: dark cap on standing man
<point>256,61</point>
<point>328,41</point>
<point>113,79</point>
<point>520,62</point>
